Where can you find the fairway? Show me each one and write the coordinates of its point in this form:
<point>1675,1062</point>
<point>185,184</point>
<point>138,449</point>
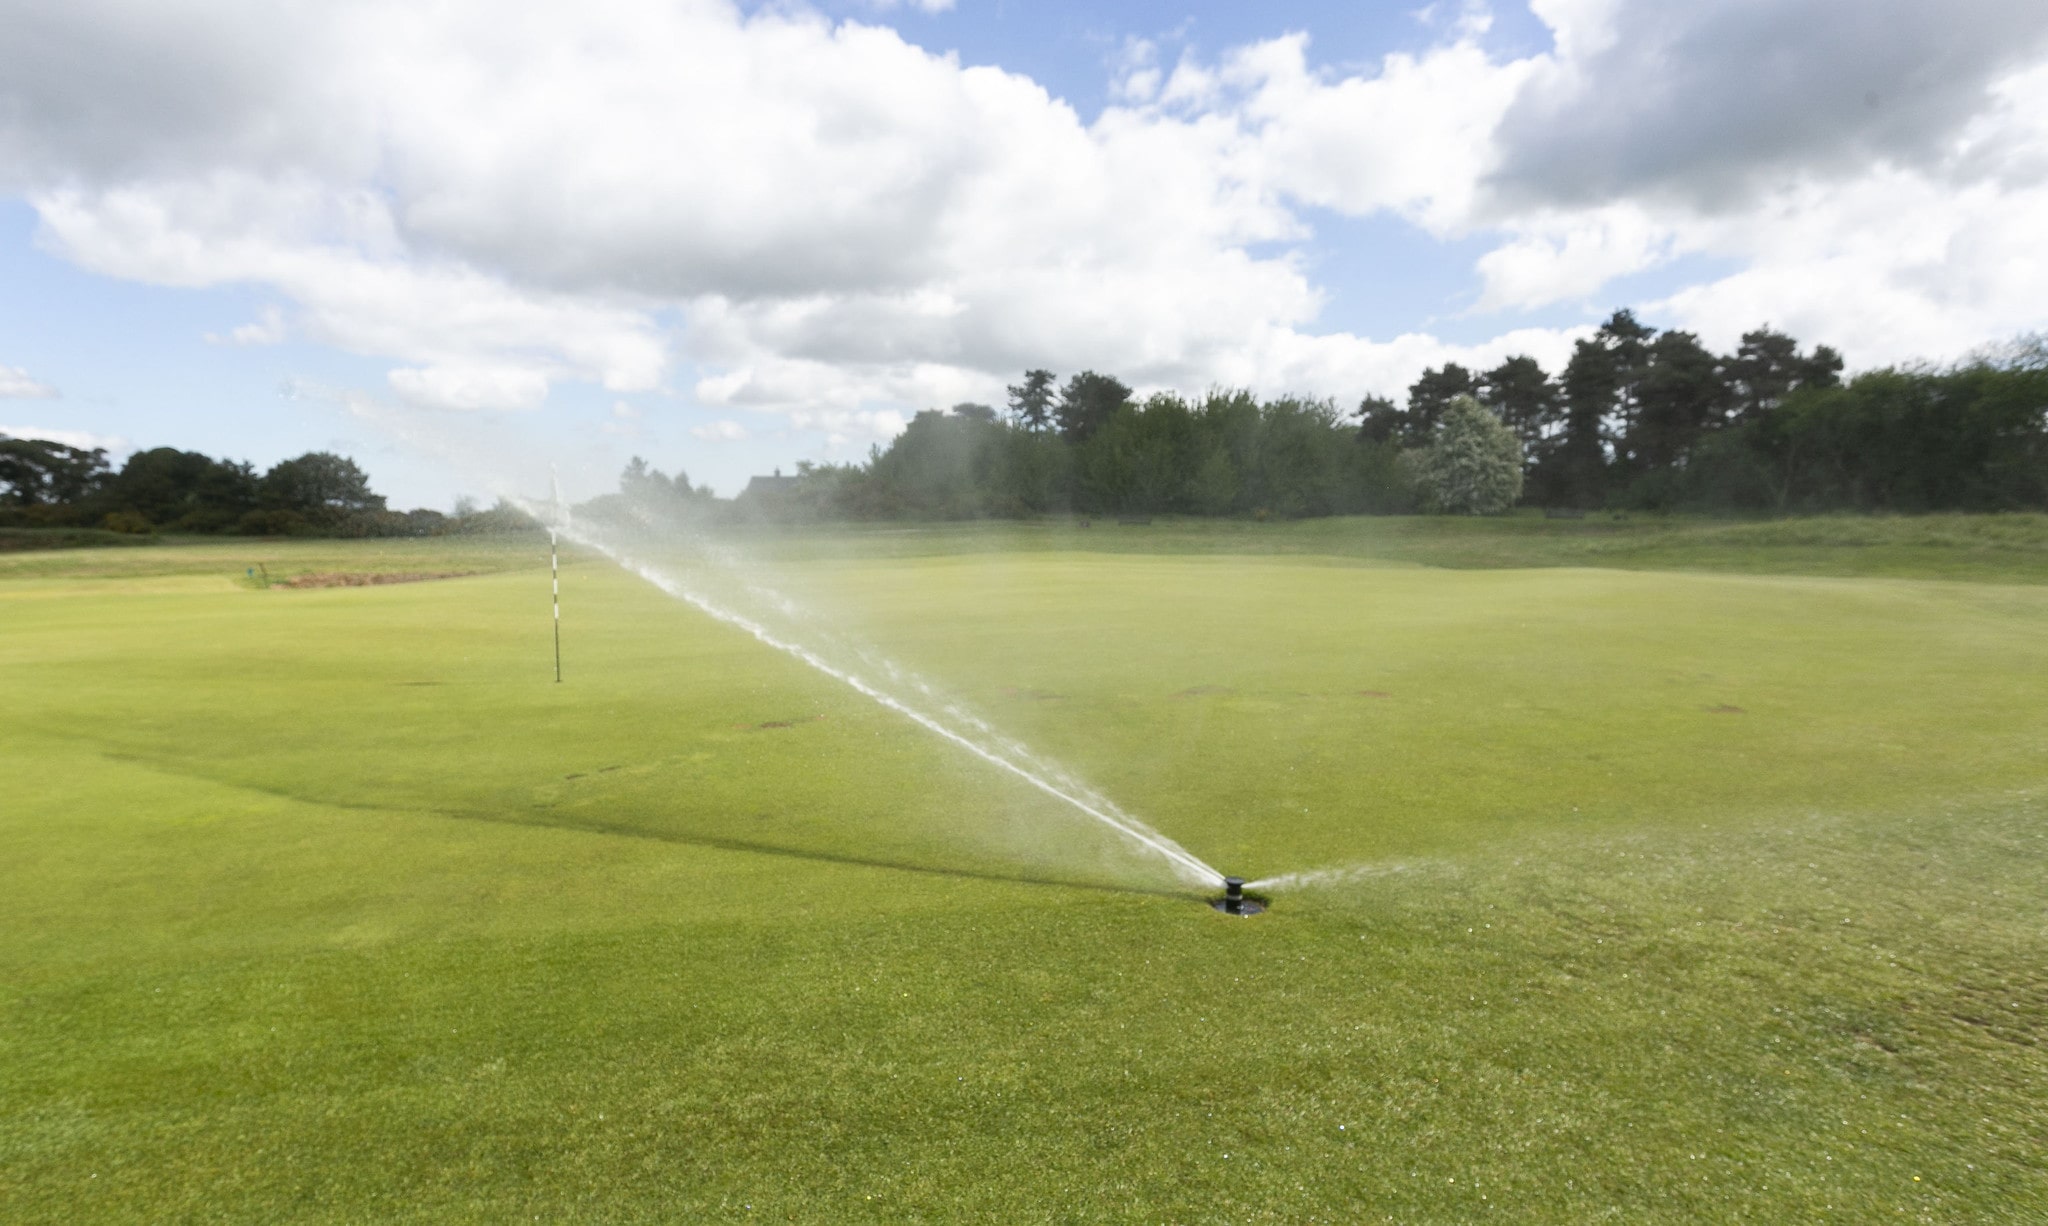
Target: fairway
<point>1707,889</point>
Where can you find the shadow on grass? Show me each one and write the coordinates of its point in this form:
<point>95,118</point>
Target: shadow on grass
<point>625,830</point>
<point>719,843</point>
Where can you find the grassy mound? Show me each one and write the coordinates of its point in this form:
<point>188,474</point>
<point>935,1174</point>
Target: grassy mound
<point>22,540</point>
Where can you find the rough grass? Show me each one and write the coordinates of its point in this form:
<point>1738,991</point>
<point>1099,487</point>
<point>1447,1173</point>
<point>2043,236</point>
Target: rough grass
<point>22,540</point>
<point>1666,896</point>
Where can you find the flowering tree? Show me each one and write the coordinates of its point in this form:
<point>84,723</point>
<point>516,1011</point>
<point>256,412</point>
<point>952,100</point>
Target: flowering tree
<point>1475,465</point>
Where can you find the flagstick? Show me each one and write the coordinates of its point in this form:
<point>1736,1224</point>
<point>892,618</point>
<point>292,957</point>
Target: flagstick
<point>555,574</point>
<point>555,567</point>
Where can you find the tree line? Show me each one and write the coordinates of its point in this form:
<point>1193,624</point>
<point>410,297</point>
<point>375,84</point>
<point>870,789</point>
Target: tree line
<point>1636,419</point>
<point>52,485</point>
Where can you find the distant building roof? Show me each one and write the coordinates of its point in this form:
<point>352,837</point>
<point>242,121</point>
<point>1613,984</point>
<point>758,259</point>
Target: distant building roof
<point>771,486</point>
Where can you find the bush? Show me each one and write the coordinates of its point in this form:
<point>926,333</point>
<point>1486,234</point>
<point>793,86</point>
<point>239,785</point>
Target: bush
<point>128,522</point>
<point>1475,465</point>
<point>274,523</point>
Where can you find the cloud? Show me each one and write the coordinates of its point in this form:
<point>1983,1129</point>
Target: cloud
<point>823,222</point>
<point>84,440</point>
<point>267,329</point>
<point>1715,104</point>
<point>16,384</point>
<point>625,421</point>
<point>721,432</point>
<point>1890,268</point>
<point>472,387</point>
<point>1572,255</point>
<point>843,425</point>
<point>833,216</point>
<point>1889,259</point>
<point>358,286</point>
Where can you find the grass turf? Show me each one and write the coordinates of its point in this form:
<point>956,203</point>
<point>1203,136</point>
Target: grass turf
<point>1672,895</point>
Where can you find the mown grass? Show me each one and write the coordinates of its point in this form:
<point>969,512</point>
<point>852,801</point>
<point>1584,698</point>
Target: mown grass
<point>1669,896</point>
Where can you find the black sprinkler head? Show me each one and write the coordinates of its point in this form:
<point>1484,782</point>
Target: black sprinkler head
<point>1234,902</point>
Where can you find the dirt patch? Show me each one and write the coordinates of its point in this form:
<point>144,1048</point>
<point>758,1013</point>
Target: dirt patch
<point>1375,694</point>
<point>374,579</point>
<point>1724,709</point>
<point>1030,695</point>
<point>779,723</point>
<point>1206,691</point>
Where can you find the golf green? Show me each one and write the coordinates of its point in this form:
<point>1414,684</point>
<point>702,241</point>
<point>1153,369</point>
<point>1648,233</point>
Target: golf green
<point>1711,892</point>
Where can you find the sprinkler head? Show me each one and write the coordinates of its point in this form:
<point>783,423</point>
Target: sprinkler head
<point>1234,902</point>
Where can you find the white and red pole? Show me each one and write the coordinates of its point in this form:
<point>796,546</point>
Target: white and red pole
<point>555,568</point>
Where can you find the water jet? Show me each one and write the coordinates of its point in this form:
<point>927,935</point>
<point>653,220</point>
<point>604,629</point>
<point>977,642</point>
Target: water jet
<point>962,730</point>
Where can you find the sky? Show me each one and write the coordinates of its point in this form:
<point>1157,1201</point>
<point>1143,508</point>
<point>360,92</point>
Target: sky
<point>468,240</point>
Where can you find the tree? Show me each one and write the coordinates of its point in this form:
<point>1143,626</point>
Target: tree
<point>184,490</point>
<point>648,490</point>
<point>1521,393</point>
<point>1143,458</point>
<point>937,467</point>
<point>1029,472</point>
<point>37,472</point>
<point>1302,450</point>
<point>1212,490</point>
<point>1571,469</point>
<point>1768,366</point>
<point>1229,419</point>
<point>1086,402</point>
<point>1576,460</point>
<point>1475,465</point>
<point>1031,401</point>
<point>323,487</point>
<point>1380,420</point>
<point>975,412</point>
<point>640,483</point>
<point>1626,341</point>
<point>1430,395</point>
<point>1680,394</point>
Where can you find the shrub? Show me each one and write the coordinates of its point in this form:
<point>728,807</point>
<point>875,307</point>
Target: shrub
<point>127,521</point>
<point>1475,465</point>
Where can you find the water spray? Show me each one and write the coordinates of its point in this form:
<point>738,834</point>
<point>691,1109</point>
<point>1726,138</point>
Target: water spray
<point>1185,865</point>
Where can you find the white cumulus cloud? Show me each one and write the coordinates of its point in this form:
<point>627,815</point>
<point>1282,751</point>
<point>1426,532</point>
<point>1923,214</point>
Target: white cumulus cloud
<point>822,221</point>
<point>267,329</point>
<point>720,432</point>
<point>17,384</point>
<point>84,440</point>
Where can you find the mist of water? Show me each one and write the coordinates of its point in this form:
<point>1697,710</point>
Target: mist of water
<point>1324,878</point>
<point>928,711</point>
<point>491,454</point>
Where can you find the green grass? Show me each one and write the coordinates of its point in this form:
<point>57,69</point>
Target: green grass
<point>1711,892</point>
<point>2010,548</point>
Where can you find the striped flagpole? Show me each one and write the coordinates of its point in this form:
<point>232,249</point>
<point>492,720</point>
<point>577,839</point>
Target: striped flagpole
<point>555,573</point>
<point>555,570</point>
